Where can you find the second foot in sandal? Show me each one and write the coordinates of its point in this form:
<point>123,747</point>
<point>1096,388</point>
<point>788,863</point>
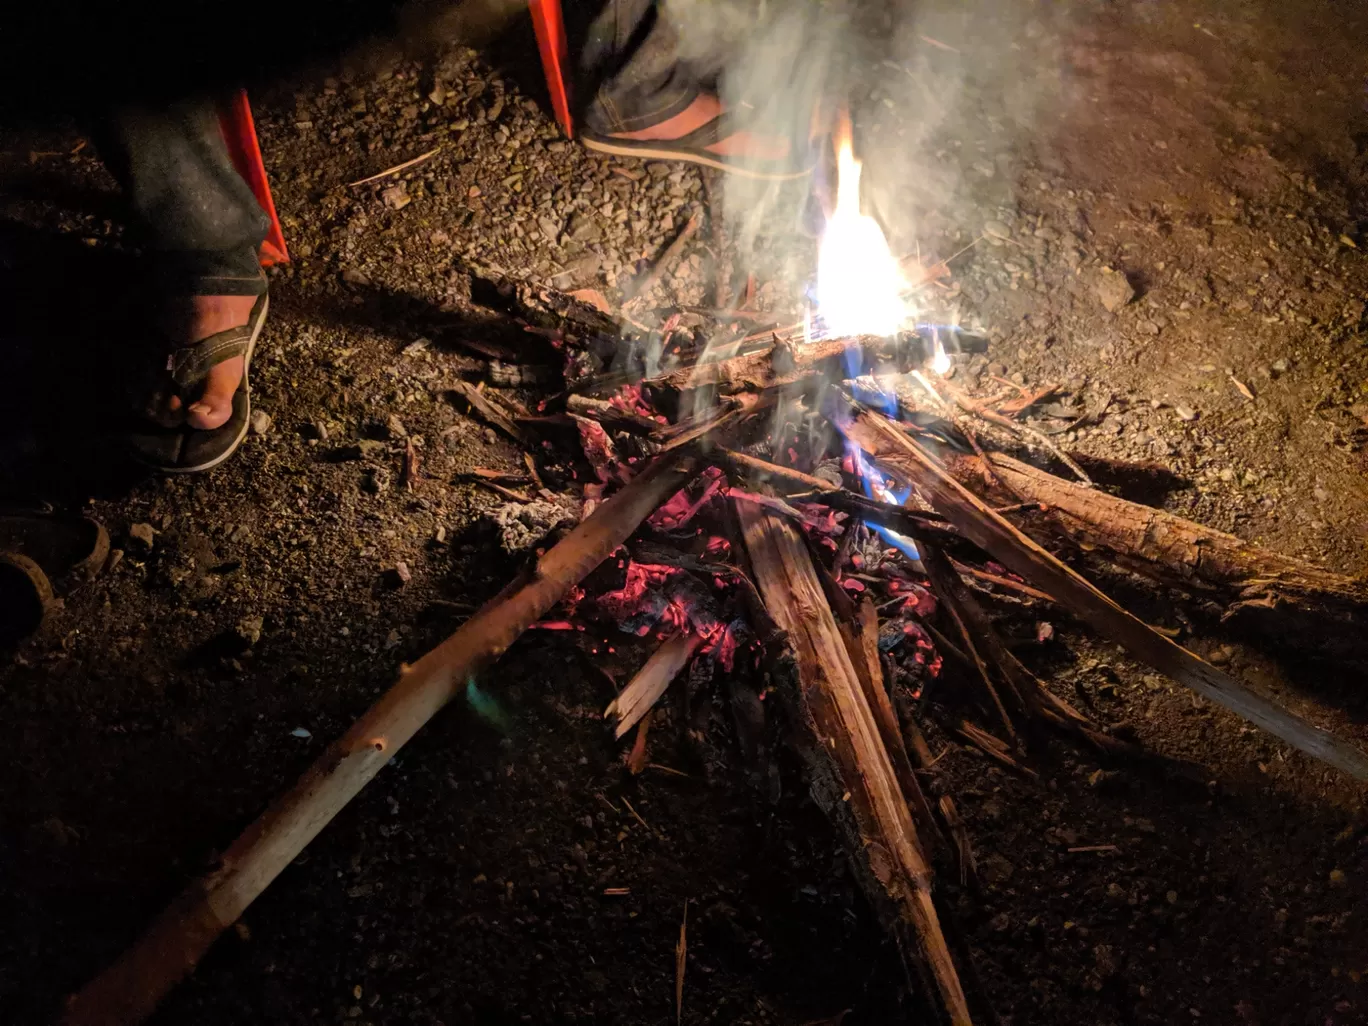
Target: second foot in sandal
<point>197,414</point>
<point>703,133</point>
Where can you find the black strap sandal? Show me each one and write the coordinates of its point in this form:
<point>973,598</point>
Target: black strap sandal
<point>176,448</point>
<point>692,148</point>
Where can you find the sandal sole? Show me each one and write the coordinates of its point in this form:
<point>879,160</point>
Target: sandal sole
<point>661,151</point>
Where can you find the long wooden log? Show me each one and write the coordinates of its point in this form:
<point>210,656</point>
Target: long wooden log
<point>902,456</point>
<point>131,988</point>
<point>846,733</point>
<point>1169,548</point>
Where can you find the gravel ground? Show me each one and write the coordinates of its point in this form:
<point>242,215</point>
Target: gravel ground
<point>1160,207</point>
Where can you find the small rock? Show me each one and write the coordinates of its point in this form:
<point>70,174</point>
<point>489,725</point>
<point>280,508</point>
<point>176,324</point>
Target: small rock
<point>316,430</point>
<point>1337,878</point>
<point>996,870</point>
<point>1221,656</point>
<point>1279,367</point>
<point>300,732</point>
<point>352,276</point>
<point>395,427</point>
<point>490,436</point>
<point>417,346</point>
<point>392,640</point>
<point>249,629</point>
<point>996,230</point>
<point>396,197</point>
<point>115,558</point>
<point>1186,413</point>
<point>144,535</point>
<point>398,575</point>
<point>1114,291</point>
<point>261,422</point>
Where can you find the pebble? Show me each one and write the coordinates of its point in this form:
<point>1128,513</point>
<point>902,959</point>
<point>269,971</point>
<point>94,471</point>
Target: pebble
<point>996,230</point>
<point>261,422</point>
<point>143,534</point>
<point>1114,291</point>
<point>396,197</point>
<point>249,629</point>
<point>1185,413</point>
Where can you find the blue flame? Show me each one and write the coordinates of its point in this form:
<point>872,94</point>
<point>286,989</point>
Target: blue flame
<point>872,481</point>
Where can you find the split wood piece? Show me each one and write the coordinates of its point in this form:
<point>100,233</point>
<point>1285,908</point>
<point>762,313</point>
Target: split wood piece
<point>859,627</point>
<point>843,729</point>
<point>1173,550</point>
<point>667,260</point>
<point>780,365</point>
<point>993,747</point>
<point>611,416</point>
<point>650,682</point>
<point>491,414</point>
<point>904,457</point>
<point>128,991</point>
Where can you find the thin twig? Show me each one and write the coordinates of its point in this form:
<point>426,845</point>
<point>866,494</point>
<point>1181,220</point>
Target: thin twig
<point>398,167</point>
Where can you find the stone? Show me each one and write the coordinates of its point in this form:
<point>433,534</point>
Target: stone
<point>249,629</point>
<point>1114,291</point>
<point>143,535</point>
<point>260,423</point>
<point>1185,413</point>
<point>996,870</point>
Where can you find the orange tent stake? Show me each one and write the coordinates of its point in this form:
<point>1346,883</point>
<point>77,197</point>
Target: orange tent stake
<point>551,40</point>
<point>239,132</point>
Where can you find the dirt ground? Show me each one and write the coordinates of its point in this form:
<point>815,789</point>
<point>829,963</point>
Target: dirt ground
<point>1214,154</point>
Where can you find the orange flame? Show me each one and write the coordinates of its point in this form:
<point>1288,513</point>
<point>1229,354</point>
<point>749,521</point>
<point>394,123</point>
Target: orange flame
<point>859,283</point>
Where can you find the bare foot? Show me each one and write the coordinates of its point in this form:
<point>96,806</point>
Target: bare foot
<point>708,108</point>
<point>202,317</point>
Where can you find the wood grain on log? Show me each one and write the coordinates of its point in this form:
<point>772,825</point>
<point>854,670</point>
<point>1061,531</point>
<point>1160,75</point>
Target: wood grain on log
<point>1169,548</point>
<point>844,729</point>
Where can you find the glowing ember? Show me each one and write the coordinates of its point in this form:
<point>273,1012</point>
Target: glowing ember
<point>859,283</point>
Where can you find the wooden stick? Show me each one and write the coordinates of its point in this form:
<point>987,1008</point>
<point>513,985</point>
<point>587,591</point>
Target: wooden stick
<point>128,991</point>
<point>903,456</point>
<point>845,742</point>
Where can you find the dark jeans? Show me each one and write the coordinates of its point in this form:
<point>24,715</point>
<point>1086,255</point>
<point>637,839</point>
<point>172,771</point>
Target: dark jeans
<point>196,217</point>
<point>632,69</point>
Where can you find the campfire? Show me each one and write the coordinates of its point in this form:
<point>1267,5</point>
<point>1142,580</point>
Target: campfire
<point>810,512</point>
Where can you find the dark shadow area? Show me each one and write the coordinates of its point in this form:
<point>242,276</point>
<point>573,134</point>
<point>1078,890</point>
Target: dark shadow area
<point>76,315</point>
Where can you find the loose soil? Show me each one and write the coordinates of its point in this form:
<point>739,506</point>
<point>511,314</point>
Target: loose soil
<point>1213,154</point>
